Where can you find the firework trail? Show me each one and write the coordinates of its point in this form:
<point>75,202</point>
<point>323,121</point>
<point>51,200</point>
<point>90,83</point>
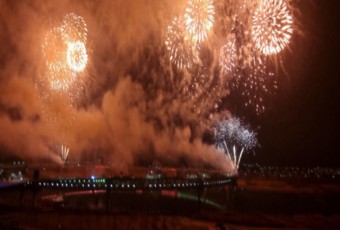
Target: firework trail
<point>271,26</point>
<point>64,151</point>
<point>199,19</point>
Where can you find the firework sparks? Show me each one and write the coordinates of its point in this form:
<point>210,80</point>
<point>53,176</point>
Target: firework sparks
<point>235,53</point>
<point>256,84</point>
<point>271,26</point>
<point>251,81</point>
<point>76,56</point>
<point>228,56</point>
<point>180,47</point>
<point>65,52</point>
<point>199,19</point>
<point>74,28</point>
<point>54,51</point>
<point>250,31</point>
<point>234,138</point>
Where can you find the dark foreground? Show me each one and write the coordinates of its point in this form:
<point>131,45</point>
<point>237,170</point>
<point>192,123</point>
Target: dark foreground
<point>254,203</point>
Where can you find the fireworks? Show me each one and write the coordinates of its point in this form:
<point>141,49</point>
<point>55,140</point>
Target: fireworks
<point>235,133</point>
<point>64,151</point>
<point>241,34</point>
<point>250,30</point>
<point>54,51</point>
<point>253,84</point>
<point>74,28</point>
<point>256,86</point>
<point>228,56</point>
<point>180,47</point>
<point>76,56</point>
<point>232,133</point>
<point>271,26</point>
<point>199,19</point>
<point>65,52</point>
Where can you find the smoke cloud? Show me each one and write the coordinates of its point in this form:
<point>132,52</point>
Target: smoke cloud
<point>131,110</point>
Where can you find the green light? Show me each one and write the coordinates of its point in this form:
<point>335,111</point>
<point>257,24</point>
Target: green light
<point>187,196</point>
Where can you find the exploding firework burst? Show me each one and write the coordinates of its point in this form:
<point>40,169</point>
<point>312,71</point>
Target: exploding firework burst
<point>271,26</point>
<point>250,30</point>
<point>76,56</point>
<point>199,19</point>
<point>181,50</point>
<point>228,56</point>
<point>234,138</point>
<point>65,52</point>
<point>54,51</point>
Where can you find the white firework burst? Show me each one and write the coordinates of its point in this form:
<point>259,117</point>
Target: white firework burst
<point>76,56</point>
<point>234,138</point>
<point>199,19</point>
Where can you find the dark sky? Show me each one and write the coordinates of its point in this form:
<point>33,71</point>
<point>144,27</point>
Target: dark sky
<point>302,126</point>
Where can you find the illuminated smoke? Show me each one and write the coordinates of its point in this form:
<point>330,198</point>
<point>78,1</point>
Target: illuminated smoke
<point>199,19</point>
<point>204,92</point>
<point>271,26</point>
<point>142,106</point>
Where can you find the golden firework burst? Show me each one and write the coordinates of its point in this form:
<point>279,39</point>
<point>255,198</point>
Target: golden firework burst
<point>271,26</point>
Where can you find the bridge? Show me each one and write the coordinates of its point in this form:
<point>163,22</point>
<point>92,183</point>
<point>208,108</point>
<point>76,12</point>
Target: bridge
<point>129,183</point>
<point>36,191</point>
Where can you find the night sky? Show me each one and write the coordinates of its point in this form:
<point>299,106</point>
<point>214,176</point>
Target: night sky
<point>299,127</point>
<point>302,127</point>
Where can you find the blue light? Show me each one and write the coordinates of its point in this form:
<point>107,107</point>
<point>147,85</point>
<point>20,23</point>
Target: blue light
<point>93,177</point>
